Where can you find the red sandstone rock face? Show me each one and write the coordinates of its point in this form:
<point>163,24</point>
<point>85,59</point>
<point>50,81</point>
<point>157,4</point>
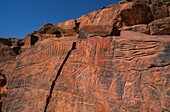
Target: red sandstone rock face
<point>49,29</point>
<point>36,61</point>
<point>83,21</point>
<point>159,8</point>
<point>160,26</point>
<point>98,30</point>
<point>70,24</point>
<point>68,28</point>
<point>133,15</point>
<point>6,53</point>
<point>90,64</point>
<point>125,73</point>
<point>125,14</point>
<point>143,28</point>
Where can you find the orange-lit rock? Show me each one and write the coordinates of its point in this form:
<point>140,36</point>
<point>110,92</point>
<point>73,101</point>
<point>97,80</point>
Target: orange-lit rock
<point>83,21</point>
<point>6,53</point>
<point>68,28</point>
<point>29,40</point>
<point>93,65</point>
<point>128,72</point>
<point>70,24</point>
<point>49,29</point>
<point>98,30</point>
<point>160,26</point>
<point>143,28</point>
<point>159,8</point>
<point>125,14</point>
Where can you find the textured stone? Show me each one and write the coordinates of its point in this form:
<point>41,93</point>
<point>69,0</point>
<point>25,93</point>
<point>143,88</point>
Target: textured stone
<point>49,29</point>
<point>29,40</point>
<point>11,43</point>
<point>93,66</point>
<point>169,9</point>
<point>114,74</point>
<point>32,88</point>
<point>126,73</point>
<point>70,24</point>
<point>160,27</point>
<point>5,41</point>
<point>2,86</point>
<point>83,21</point>
<point>14,41</point>
<point>122,14</point>
<point>143,28</point>
<point>159,9</point>
<point>6,53</point>
<point>68,28</point>
<point>96,30</point>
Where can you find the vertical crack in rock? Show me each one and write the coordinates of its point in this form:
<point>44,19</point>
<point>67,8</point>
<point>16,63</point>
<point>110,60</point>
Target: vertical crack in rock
<point>57,75</point>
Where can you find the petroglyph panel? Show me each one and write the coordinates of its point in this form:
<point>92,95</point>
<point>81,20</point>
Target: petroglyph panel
<point>77,55</point>
<point>18,83</point>
<point>35,81</point>
<point>98,51</point>
<point>130,49</point>
<point>93,50</point>
<point>105,49</point>
<point>38,56</point>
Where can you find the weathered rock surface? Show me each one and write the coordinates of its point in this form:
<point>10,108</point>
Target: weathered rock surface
<point>49,29</point>
<point>8,49</point>
<point>125,14</point>
<point>35,57</point>
<point>96,30</point>
<point>6,41</point>
<point>124,73</point>
<point>114,74</point>
<point>133,15</point>
<point>91,64</point>
<point>160,26</point>
<point>68,28</point>
<point>83,21</point>
<point>6,53</point>
<point>159,8</point>
<point>143,28</point>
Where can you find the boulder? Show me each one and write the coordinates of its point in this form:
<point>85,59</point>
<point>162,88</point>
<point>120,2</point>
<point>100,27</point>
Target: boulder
<point>97,30</point>
<point>122,14</point>
<point>159,9</point>
<point>6,53</point>
<point>14,41</point>
<point>160,26</point>
<point>29,40</point>
<point>49,28</point>
<point>68,28</point>
<point>5,41</point>
<point>70,24</point>
<point>83,21</point>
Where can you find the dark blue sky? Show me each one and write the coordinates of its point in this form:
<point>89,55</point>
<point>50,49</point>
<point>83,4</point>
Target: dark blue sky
<point>20,17</point>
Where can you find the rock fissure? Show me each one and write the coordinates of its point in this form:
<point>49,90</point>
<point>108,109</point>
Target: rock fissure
<point>152,86</point>
<point>116,65</point>
<point>157,66</point>
<point>140,80</point>
<point>57,75</point>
